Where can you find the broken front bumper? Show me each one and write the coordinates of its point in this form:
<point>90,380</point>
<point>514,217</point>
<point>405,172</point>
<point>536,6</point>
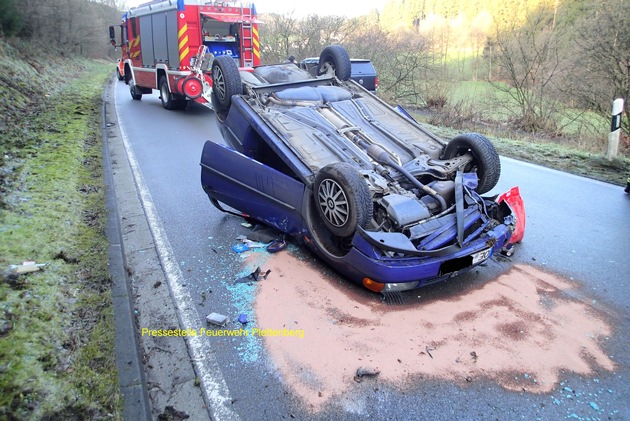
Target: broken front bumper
<point>389,263</point>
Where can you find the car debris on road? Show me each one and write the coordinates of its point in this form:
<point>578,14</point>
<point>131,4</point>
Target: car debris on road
<point>217,319</point>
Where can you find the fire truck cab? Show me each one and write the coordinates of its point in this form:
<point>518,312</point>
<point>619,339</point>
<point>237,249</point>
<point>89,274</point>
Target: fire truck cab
<point>168,45</point>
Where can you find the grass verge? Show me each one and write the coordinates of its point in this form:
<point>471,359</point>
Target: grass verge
<point>547,153</point>
<point>57,358</point>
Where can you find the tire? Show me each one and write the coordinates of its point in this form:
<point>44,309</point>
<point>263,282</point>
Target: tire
<point>337,58</point>
<point>136,95</point>
<point>165,95</point>
<point>120,77</point>
<point>226,82</point>
<point>342,199</point>
<point>486,161</point>
<point>192,87</point>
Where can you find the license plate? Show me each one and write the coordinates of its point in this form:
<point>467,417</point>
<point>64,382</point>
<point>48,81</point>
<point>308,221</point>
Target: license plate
<point>481,256</point>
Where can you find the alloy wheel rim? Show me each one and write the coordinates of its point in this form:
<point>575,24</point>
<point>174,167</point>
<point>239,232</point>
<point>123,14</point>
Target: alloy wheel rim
<point>333,203</point>
<point>219,82</point>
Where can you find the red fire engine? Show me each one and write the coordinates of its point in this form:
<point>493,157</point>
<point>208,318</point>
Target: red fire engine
<point>169,45</point>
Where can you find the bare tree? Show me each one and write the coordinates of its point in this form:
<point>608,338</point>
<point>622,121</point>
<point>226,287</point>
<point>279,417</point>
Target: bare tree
<point>316,32</point>
<point>601,67</point>
<point>278,36</point>
<point>69,26</point>
<point>527,57</point>
<point>402,62</point>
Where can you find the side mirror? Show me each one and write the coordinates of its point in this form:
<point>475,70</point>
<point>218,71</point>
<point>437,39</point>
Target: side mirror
<point>112,35</point>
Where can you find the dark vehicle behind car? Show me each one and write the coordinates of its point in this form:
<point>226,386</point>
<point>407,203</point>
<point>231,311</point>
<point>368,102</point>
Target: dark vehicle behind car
<point>363,71</point>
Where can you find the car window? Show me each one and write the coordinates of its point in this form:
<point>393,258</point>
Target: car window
<point>363,68</point>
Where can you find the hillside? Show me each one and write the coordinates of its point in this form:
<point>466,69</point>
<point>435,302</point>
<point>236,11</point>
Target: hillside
<point>56,324</point>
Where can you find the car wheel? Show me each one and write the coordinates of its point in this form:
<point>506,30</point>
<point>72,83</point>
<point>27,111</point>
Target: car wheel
<point>226,82</point>
<point>135,92</point>
<point>120,77</point>
<point>342,199</point>
<point>337,58</point>
<point>165,95</point>
<point>486,161</point>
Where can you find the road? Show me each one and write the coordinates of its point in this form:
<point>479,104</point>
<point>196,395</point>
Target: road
<point>544,335</point>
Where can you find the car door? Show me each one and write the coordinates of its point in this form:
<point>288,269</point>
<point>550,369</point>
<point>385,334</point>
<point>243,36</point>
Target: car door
<point>252,187</point>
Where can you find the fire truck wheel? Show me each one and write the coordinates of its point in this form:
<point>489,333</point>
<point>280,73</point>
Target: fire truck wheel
<point>165,95</point>
<point>135,92</point>
<point>336,58</point>
<point>181,104</point>
<point>226,82</point>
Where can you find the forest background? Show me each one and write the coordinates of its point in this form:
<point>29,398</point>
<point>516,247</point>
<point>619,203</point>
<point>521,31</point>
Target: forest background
<point>538,68</point>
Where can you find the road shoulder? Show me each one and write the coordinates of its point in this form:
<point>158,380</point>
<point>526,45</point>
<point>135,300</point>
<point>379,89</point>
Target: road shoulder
<point>142,298</point>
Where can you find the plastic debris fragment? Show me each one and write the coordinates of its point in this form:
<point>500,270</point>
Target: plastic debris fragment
<point>365,371</point>
<point>217,319</point>
<point>171,413</point>
<point>254,244</point>
<point>26,267</point>
<point>276,246</point>
<point>255,276</point>
<point>239,248</point>
<point>265,235</point>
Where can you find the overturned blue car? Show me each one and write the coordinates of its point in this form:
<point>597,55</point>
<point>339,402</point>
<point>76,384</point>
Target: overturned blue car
<point>374,194</point>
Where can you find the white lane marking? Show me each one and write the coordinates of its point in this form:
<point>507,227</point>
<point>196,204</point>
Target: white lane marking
<point>215,388</point>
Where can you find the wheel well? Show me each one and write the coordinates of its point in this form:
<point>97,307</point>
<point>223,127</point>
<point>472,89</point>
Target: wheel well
<point>161,73</point>
<point>325,241</point>
<point>127,73</point>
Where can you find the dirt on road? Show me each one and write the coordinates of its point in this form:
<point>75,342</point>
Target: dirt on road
<point>520,330</point>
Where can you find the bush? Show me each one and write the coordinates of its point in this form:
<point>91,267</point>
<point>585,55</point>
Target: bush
<point>10,19</point>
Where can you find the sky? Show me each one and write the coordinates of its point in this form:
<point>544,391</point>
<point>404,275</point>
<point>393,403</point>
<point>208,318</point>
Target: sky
<point>349,8</point>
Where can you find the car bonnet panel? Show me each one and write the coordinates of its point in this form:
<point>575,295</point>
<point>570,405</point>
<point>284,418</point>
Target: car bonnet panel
<point>388,128</point>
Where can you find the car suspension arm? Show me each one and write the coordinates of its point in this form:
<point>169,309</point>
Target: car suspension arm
<point>377,153</point>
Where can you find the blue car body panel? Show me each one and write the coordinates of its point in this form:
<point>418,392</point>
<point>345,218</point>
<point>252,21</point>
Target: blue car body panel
<point>252,188</point>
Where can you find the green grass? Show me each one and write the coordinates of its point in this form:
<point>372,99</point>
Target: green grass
<point>550,154</point>
<point>57,351</point>
<point>485,96</point>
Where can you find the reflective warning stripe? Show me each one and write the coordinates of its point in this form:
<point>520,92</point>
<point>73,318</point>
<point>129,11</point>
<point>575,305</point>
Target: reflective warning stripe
<point>182,37</point>
<point>133,45</point>
<point>256,45</point>
<point>183,42</point>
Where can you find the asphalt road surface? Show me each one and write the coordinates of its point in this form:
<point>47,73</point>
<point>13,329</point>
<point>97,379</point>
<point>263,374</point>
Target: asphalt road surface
<point>541,336</point>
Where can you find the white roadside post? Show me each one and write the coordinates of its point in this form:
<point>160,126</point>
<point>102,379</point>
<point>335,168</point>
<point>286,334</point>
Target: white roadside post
<point>615,129</point>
